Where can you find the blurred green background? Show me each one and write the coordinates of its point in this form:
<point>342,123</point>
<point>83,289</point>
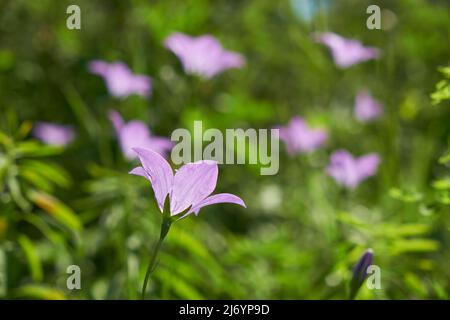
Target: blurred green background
<point>301,233</point>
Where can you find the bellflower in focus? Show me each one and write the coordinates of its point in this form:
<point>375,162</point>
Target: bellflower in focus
<point>360,272</point>
<point>119,79</point>
<point>136,134</point>
<point>349,171</point>
<point>53,134</point>
<point>299,137</point>
<point>202,55</point>
<point>366,107</point>
<point>346,52</point>
<point>188,190</point>
<point>182,193</point>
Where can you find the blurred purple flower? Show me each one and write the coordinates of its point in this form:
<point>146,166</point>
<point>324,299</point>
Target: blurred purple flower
<point>360,272</point>
<point>120,81</point>
<point>136,134</point>
<point>349,171</point>
<point>54,134</point>
<point>202,55</point>
<point>298,137</point>
<point>346,52</point>
<point>189,189</point>
<point>366,107</point>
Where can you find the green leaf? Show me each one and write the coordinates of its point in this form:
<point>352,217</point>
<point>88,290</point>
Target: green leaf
<point>33,260</point>
<point>414,245</point>
<point>50,171</point>
<point>442,184</point>
<point>445,158</point>
<point>35,149</point>
<point>35,179</point>
<point>347,218</point>
<point>58,210</point>
<point>80,109</point>
<point>404,230</point>
<point>34,291</point>
<point>415,284</point>
<point>181,288</point>
<point>405,196</point>
<point>16,194</point>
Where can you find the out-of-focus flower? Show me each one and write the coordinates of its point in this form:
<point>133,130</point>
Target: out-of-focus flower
<point>188,190</point>
<point>349,171</point>
<point>136,134</point>
<point>299,137</point>
<point>346,52</point>
<point>54,134</point>
<point>360,272</point>
<point>119,79</point>
<point>202,55</point>
<point>366,107</point>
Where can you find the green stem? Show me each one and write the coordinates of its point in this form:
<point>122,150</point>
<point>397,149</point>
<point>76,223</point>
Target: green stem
<point>165,226</point>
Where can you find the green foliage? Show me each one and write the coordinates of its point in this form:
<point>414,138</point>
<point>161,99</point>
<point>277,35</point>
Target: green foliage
<point>301,234</point>
<point>442,92</point>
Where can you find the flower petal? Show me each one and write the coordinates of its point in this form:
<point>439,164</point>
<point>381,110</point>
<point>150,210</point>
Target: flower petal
<point>158,172</point>
<point>343,169</point>
<point>366,107</point>
<point>53,134</point>
<point>203,55</point>
<point>134,134</point>
<point>139,171</point>
<point>98,67</point>
<point>346,52</point>
<point>368,165</point>
<point>193,182</point>
<point>217,198</point>
<point>120,80</point>
<point>116,120</point>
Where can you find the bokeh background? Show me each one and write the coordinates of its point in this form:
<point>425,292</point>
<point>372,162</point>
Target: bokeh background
<point>302,233</point>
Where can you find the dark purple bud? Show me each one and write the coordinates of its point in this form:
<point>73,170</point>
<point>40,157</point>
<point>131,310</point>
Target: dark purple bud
<point>360,272</point>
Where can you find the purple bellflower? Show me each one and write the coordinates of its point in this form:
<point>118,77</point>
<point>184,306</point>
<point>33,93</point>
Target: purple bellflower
<point>202,55</point>
<point>349,171</point>
<point>299,137</point>
<point>53,134</point>
<point>120,80</point>
<point>360,272</point>
<point>346,52</point>
<point>136,134</point>
<point>188,190</point>
<point>182,193</point>
<point>366,107</point>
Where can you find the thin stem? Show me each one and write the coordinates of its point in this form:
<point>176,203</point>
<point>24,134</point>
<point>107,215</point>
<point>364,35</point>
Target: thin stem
<point>165,226</point>
<point>151,267</point>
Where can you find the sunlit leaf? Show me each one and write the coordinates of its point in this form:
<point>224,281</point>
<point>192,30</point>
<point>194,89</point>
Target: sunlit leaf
<point>50,171</point>
<point>442,184</point>
<point>405,196</point>
<point>34,291</point>
<point>414,245</point>
<point>58,210</point>
<point>35,149</point>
